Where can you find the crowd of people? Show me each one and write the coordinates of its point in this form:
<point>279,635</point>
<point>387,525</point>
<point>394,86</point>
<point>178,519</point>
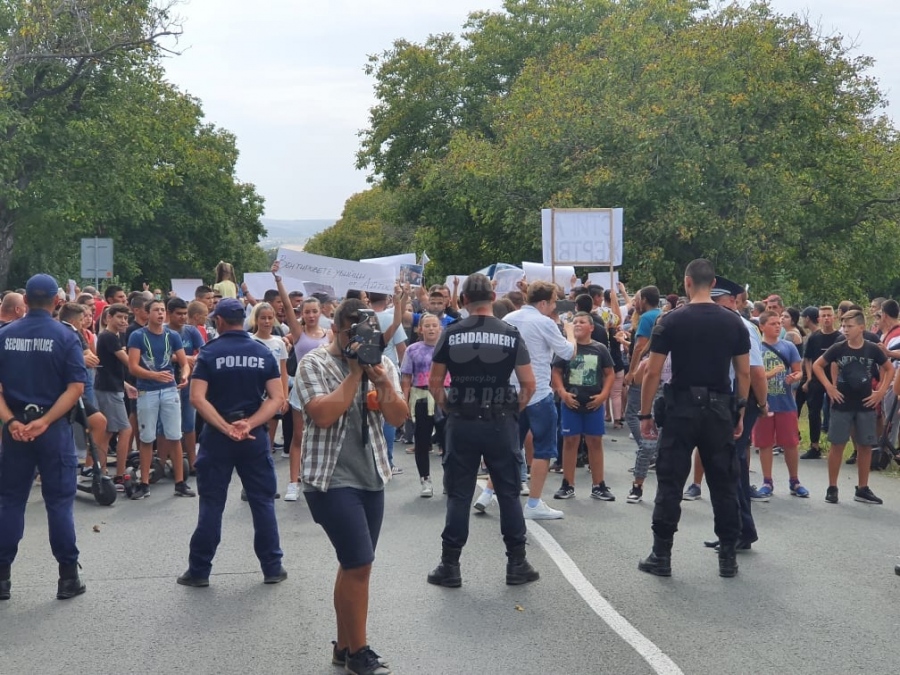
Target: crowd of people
<point>542,370</point>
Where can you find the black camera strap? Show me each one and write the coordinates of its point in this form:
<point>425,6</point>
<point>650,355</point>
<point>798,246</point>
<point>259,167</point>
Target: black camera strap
<point>364,411</point>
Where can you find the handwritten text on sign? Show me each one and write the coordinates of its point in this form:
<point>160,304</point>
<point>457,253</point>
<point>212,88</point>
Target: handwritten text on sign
<point>343,275</point>
<point>582,237</point>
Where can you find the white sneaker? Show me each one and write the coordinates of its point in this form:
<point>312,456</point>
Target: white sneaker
<point>483,501</point>
<point>427,488</point>
<point>524,490</point>
<point>292,493</point>
<point>542,512</point>
<point>285,454</point>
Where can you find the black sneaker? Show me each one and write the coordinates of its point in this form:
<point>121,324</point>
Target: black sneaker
<point>195,582</point>
<point>276,578</point>
<point>565,492</point>
<point>142,491</point>
<point>812,453</point>
<point>338,656</point>
<point>182,489</point>
<point>5,589</point>
<point>636,494</point>
<point>602,493</point>
<point>851,459</point>
<point>831,494</point>
<point>866,496</point>
<point>365,662</point>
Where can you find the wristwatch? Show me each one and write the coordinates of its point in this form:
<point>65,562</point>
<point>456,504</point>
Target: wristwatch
<point>645,417</point>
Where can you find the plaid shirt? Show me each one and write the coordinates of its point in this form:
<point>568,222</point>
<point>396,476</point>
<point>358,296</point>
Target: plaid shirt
<point>319,374</point>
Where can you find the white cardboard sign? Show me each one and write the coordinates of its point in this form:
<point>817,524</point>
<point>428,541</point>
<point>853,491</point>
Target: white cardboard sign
<point>582,236</point>
<point>537,271</point>
<point>342,275</point>
<point>186,289</point>
<point>395,261</point>
<point>506,280</point>
<point>260,282</point>
<point>602,279</point>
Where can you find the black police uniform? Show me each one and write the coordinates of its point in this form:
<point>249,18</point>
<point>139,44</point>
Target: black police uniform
<point>699,412</point>
<point>39,359</point>
<point>480,353</point>
<point>236,368</point>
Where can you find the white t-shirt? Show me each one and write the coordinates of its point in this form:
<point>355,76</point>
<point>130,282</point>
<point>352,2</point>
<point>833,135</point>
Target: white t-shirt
<point>275,345</point>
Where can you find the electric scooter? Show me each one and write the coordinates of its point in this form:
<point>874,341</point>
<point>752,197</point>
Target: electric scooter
<point>102,487</point>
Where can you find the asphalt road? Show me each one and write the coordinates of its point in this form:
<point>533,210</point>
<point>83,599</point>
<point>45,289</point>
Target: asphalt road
<point>816,594</point>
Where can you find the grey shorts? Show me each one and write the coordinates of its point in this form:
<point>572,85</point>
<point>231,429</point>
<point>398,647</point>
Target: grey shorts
<point>112,405</point>
<point>861,424</point>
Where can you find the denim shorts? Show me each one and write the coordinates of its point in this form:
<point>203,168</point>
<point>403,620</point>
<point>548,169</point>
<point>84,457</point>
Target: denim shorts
<point>161,407</point>
<point>188,412</point>
<point>575,423</point>
<point>540,418</point>
<point>352,520</point>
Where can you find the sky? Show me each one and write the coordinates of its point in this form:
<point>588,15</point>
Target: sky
<point>287,78</point>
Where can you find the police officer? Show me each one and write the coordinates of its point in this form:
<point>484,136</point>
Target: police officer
<point>700,410</point>
<point>480,352</point>
<point>236,388</point>
<point>42,374</point>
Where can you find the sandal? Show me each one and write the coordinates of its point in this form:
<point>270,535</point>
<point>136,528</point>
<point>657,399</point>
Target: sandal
<point>619,424</point>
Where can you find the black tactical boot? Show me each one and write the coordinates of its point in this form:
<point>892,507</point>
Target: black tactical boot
<point>70,584</point>
<point>728,566</point>
<point>659,562</point>
<point>5,583</point>
<point>447,572</point>
<point>518,570</point>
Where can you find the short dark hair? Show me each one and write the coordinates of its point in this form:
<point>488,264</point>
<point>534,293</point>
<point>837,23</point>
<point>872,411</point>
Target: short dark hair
<point>378,297</point>
<point>70,311</point>
<point>354,294</point>
<point>701,272</point>
<point>136,301</point>
<point>650,295</point>
<point>111,290</point>
<point>200,291</point>
<point>477,288</point>
<point>271,295</point>
<point>584,303</point>
<point>765,316</point>
<point>347,313</point>
<point>502,307</point>
<point>517,298</point>
<point>595,290</point>
<point>175,303</point>
<point>891,308</point>
<point>854,315</point>
<point>149,303</point>
<point>116,308</point>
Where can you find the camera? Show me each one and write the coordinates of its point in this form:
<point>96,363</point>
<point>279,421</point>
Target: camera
<point>369,340</point>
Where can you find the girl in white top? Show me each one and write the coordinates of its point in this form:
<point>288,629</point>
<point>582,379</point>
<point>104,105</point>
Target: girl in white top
<point>262,322</point>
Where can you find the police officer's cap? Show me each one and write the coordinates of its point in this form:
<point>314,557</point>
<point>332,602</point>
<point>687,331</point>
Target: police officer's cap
<point>726,287</point>
<point>477,288</point>
<point>41,287</point>
<point>229,309</point>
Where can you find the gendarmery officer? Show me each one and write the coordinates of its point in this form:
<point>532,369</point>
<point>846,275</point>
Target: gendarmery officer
<point>42,374</point>
<point>236,388</point>
<point>699,411</point>
<point>481,352</point>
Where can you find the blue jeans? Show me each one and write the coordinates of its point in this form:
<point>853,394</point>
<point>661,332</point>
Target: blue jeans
<point>390,434</point>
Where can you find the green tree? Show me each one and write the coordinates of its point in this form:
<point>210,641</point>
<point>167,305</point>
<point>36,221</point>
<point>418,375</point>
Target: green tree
<point>733,133</point>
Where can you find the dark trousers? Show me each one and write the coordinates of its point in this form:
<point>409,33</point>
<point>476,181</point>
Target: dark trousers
<point>52,454</point>
<point>742,446</point>
<point>287,428</point>
<point>815,400</point>
<point>711,431</point>
<point>216,461</point>
<point>467,441</point>
<point>423,430</point>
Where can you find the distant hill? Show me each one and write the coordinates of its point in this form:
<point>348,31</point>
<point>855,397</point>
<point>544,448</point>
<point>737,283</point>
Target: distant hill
<point>292,232</point>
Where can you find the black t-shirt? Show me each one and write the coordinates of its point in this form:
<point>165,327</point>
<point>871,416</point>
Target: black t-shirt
<point>854,376</point>
<point>702,339</point>
<point>111,374</point>
<point>818,343</point>
<point>598,334</point>
<point>583,374</point>
<point>480,353</point>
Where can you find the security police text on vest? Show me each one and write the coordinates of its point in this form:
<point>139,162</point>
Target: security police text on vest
<point>29,344</point>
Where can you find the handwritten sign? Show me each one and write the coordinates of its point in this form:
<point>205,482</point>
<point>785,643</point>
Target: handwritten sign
<point>506,280</point>
<point>602,279</point>
<point>260,282</point>
<point>394,261</point>
<point>342,275</point>
<point>186,289</point>
<point>537,271</point>
<point>582,236</point>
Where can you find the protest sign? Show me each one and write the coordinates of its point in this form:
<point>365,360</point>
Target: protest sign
<point>394,261</point>
<point>72,292</point>
<point>602,279</point>
<point>589,237</point>
<point>537,271</point>
<point>506,280</point>
<point>342,275</point>
<point>186,289</point>
<point>260,282</point>
<point>410,274</point>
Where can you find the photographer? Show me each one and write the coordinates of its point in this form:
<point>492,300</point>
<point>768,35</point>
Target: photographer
<point>345,462</point>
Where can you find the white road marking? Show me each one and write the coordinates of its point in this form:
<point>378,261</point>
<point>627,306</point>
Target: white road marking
<point>659,662</point>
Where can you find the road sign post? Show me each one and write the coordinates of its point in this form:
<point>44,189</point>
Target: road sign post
<point>96,259</point>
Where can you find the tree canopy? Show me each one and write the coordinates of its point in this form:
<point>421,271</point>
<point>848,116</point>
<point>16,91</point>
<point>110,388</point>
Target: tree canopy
<point>97,143</point>
<point>733,133</point>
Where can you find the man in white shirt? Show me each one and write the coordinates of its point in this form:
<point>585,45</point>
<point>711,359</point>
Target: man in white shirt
<point>544,342</point>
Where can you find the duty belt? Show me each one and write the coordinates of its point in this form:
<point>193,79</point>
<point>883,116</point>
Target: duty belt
<point>701,396</point>
<point>238,415</point>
